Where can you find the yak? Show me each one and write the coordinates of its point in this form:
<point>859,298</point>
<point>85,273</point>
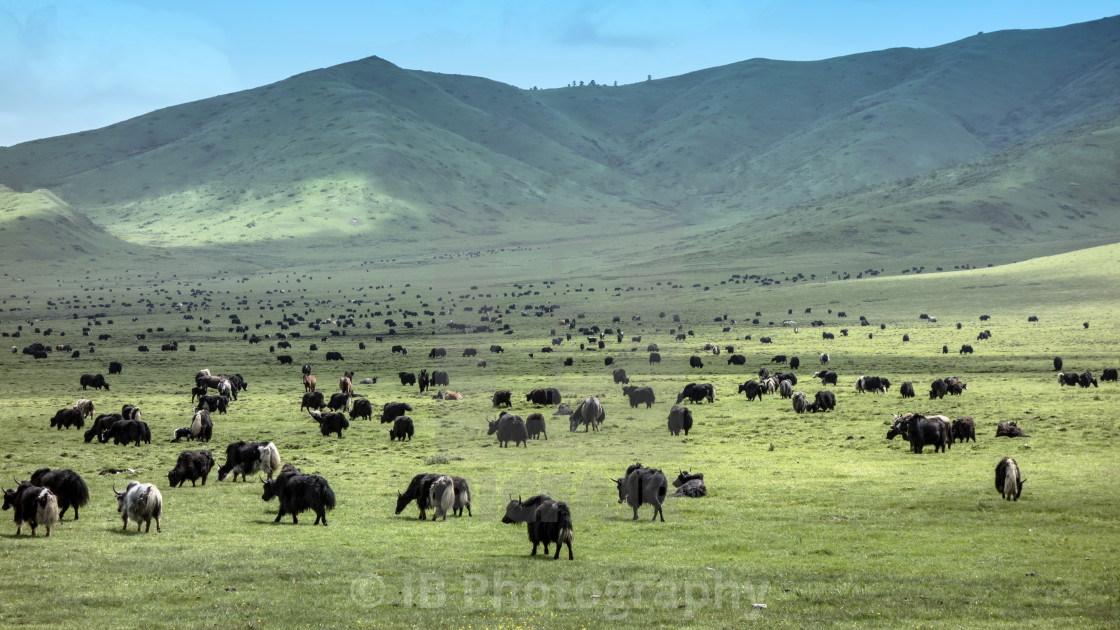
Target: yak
<point>390,411</point>
<point>547,521</point>
<point>643,485</point>
<point>330,422</point>
<point>298,492</point>
<point>68,487</point>
<point>907,390</point>
<point>639,395</point>
<point>407,378</point>
<point>697,392</point>
<point>534,424</point>
<point>95,381</point>
<point>32,504</point>
<point>510,428</point>
<point>244,458</point>
<point>502,397</point>
<point>752,389</point>
<point>690,484</point>
<point>361,408</point>
<point>68,417</point>
<point>589,413</point>
<point>680,418</point>
<point>823,401</point>
<point>620,377</point>
<point>694,361</point>
<point>140,502</point>
<point>313,400</point>
<point>402,428</point>
<point>191,466</point>
<point>544,396</point>
<point>964,429</point>
<point>126,432</point>
<point>1008,482</point>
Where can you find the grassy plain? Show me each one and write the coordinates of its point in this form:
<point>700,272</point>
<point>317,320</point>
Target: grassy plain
<point>817,517</point>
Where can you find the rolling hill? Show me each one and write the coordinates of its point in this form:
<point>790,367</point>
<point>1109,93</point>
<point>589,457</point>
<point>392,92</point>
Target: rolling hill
<point>979,141</point>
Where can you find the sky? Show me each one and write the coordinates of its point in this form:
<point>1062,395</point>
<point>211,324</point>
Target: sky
<point>72,65</point>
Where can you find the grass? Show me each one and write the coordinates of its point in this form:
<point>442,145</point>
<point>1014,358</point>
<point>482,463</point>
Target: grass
<point>817,516</point>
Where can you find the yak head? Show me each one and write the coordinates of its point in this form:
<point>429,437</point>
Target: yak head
<point>515,511</point>
<point>621,488</point>
<point>174,477</point>
<point>493,427</point>
<point>9,498</point>
<point>269,488</point>
<point>402,501</point>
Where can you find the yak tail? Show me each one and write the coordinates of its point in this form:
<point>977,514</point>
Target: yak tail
<point>77,491</point>
<point>328,496</point>
<point>273,457</point>
<point>564,519</point>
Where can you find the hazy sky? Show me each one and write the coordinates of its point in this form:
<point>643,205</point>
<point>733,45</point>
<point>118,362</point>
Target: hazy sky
<point>70,65</point>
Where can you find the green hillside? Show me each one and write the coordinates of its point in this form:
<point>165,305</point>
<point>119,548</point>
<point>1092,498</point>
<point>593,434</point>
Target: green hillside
<point>369,154</point>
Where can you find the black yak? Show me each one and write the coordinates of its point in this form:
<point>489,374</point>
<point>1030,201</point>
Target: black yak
<point>31,504</point>
<point>402,429</point>
<point>548,522</point>
<point>68,487</point>
<point>639,395</point>
<point>534,424</point>
<point>680,418</point>
<point>330,422</point>
<point>643,485</point>
<point>298,492</point>
<point>510,428</point>
<point>191,466</point>
<point>390,411</point>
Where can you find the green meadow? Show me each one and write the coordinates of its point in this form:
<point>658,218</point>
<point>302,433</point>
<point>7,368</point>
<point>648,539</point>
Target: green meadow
<point>812,520</point>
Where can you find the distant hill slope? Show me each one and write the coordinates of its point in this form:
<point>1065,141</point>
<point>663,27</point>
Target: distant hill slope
<point>369,153</point>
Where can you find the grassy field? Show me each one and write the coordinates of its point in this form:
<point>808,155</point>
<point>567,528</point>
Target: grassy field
<point>817,517</point>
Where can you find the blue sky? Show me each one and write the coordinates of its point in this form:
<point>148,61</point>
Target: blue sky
<point>70,65</point>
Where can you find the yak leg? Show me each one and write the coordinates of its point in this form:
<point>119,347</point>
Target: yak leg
<point>279,515</point>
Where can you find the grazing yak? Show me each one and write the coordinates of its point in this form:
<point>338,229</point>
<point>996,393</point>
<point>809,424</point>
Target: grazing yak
<point>400,350</point>
<point>643,485</point>
<point>737,359</point>
<point>697,392</point>
<point>402,429</point>
<point>100,425</point>
<point>470,352</point>
<point>654,357</point>
<point>140,502</point>
<point>245,458</point>
<point>418,490</point>
<point>219,404</point>
<point>441,496</point>
<point>1008,481</point>
<point>876,384</point>
<point>510,428</point>
<point>966,349</point>
<point>407,378</point>
<point>544,396</point>
<point>589,413</point>
<point>907,390</point>
<point>502,397</point>
<point>191,466</point>
<point>390,411</point>
<point>548,522</point>
<point>115,368</point>
<point>1086,379</point>
<point>1069,378</point>
<point>964,429</point>
<point>496,349</point>
<point>800,402</point>
<point>339,402</point>
<point>68,417</point>
<point>639,395</point>
<point>1110,375</point>
<point>202,427</point>
<point>334,356</point>
<point>439,377</point>
<point>127,432</point>
<point>785,388</point>
<point>68,487</point>
<point>955,386</point>
<point>361,408</point>
<point>827,377</point>
<point>313,400</point>
<point>32,504</point>
<point>694,361</point>
<point>937,389</point>
<point>752,389</point>
<point>534,424</point>
<point>690,485</point>
<point>620,377</point>
<point>823,401</point>
<point>95,381</point>
<point>298,492</point>
<point>922,431</point>
<point>330,422</point>
<point>437,353</point>
<point>680,418</point>
<point>1009,429</point>
<point>284,359</point>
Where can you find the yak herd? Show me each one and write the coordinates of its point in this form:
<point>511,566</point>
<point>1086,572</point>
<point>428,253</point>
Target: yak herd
<point>46,497</point>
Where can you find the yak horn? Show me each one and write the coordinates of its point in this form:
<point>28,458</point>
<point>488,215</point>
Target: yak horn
<point>114,487</point>
<point>519,496</point>
<point>613,479</point>
<point>261,478</point>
